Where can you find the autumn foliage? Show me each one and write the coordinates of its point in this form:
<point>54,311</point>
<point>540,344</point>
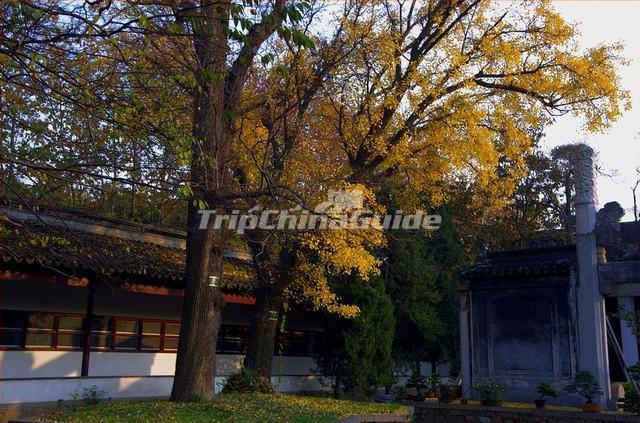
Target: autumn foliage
<point>154,110</point>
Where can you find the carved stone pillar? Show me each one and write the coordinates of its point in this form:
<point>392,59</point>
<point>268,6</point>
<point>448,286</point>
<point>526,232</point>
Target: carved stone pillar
<point>591,324</point>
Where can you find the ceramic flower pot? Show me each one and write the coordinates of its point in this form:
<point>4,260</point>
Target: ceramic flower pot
<point>491,403</point>
<point>445,399</point>
<point>591,408</point>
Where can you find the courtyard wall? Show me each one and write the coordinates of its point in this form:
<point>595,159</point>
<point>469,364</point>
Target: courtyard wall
<point>456,413</point>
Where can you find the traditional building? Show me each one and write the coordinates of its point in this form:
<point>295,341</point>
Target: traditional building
<point>88,301</point>
<point>542,314</point>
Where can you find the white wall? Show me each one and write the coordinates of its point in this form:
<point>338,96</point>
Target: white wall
<point>103,363</point>
<point>54,389</point>
<point>163,364</point>
<point>293,366</point>
<point>43,376</point>
<point>47,390</point>
<point>30,364</point>
<point>34,364</point>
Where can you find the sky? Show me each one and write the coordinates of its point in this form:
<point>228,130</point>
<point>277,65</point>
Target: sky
<point>618,149</point>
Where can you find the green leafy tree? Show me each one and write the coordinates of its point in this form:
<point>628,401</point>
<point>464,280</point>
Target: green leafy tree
<point>98,61</point>
<point>423,274</point>
<point>540,206</point>
<point>357,351</point>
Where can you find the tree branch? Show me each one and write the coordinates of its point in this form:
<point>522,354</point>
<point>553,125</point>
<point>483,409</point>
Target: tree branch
<point>257,35</point>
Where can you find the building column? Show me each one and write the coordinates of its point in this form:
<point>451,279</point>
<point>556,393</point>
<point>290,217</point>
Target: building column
<point>591,323</point>
<point>465,343</point>
<point>628,341</point>
<point>86,327</point>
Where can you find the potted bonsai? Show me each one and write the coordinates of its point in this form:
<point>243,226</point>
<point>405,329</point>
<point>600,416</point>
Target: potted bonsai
<point>585,385</point>
<point>490,393</point>
<point>545,390</point>
<point>418,383</point>
<point>631,394</point>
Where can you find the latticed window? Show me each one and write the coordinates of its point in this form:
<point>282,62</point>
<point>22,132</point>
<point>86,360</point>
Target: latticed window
<point>38,330</point>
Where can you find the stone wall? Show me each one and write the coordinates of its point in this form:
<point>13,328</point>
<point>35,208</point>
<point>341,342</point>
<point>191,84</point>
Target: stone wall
<point>447,413</point>
<point>521,335</point>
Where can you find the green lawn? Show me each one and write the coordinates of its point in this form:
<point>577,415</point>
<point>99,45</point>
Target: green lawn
<point>227,408</point>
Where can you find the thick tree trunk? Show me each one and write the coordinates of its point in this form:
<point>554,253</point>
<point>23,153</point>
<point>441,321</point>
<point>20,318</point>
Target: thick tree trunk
<point>336,386</point>
<point>264,328</point>
<point>273,280</point>
<point>216,96</point>
<point>201,310</point>
<point>201,314</point>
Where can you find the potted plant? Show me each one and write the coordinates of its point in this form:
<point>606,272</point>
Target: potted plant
<point>490,393</point>
<point>433,382</point>
<point>585,385</point>
<point>631,394</point>
<point>418,383</point>
<point>631,402</point>
<point>545,390</point>
<point>399,391</point>
<point>447,393</point>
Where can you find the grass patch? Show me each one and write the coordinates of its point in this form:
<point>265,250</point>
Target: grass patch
<point>227,408</point>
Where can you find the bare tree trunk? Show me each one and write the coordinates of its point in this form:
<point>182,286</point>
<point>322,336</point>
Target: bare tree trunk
<point>202,307</point>
<point>264,328</point>
<point>336,386</point>
<point>2,180</point>
<point>264,324</point>
<point>201,315</point>
<point>216,96</point>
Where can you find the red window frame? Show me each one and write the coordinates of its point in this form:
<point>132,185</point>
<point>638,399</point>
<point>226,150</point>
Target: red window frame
<point>307,346</point>
<point>55,331</point>
<point>113,331</point>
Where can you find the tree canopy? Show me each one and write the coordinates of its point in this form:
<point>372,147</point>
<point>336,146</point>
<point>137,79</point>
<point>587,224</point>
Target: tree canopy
<point>155,110</point>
